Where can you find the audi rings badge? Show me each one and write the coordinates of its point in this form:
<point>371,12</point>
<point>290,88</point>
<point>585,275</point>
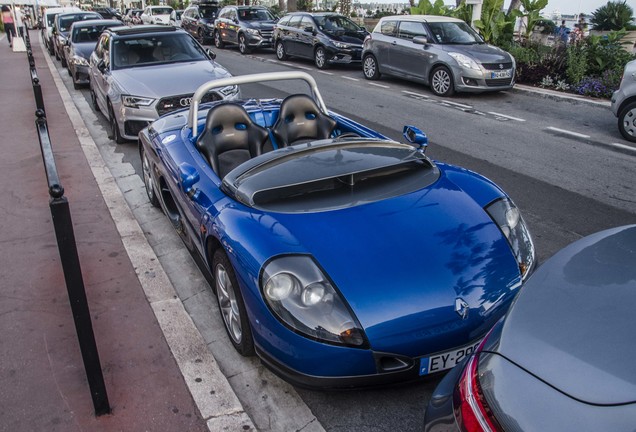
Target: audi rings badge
<point>186,101</point>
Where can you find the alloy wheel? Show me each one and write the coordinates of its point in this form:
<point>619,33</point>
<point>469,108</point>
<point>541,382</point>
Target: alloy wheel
<point>228,304</point>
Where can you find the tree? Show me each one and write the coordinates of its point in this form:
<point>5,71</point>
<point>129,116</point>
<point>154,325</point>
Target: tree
<point>531,13</point>
<point>613,16</point>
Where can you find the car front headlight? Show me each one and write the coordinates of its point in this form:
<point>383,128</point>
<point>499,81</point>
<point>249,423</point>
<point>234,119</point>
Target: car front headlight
<point>341,45</point>
<point>136,101</point>
<point>464,61</point>
<point>79,61</point>
<point>507,216</point>
<point>252,31</point>
<point>301,296</point>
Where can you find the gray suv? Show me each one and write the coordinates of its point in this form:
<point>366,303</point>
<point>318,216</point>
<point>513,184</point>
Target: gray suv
<point>624,103</point>
<point>441,52</point>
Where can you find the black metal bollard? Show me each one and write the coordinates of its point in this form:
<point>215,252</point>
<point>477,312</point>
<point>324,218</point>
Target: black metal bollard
<point>67,247</point>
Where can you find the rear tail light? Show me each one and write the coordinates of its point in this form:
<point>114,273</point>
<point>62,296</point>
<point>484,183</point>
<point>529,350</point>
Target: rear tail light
<point>471,409</point>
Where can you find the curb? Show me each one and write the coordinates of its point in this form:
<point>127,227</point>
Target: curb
<point>560,95</point>
<point>217,403</point>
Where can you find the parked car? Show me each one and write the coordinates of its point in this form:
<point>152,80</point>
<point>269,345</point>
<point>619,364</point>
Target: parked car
<point>198,20</point>
<point>624,103</point>
<point>130,14</point>
<point>109,13</point>
<point>156,15</point>
<point>563,358</point>
<point>342,258</point>
<point>134,70</point>
<point>61,27</point>
<point>81,42</point>
<point>442,52</point>
<point>248,27</point>
<point>325,37</point>
<point>48,21</point>
<point>175,17</point>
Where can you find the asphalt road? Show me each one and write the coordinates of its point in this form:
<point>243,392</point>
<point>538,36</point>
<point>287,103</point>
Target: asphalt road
<point>555,157</point>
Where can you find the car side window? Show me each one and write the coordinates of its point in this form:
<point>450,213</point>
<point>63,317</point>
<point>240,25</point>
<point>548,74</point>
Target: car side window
<point>284,21</point>
<point>307,22</point>
<point>409,29</point>
<point>295,21</point>
<point>388,28</point>
<point>232,15</point>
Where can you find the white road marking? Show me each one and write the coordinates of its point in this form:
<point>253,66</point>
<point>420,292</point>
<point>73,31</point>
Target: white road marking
<point>301,67</point>
<point>457,104</point>
<point>415,94</point>
<point>506,116</point>
<point>567,132</point>
<point>326,73</point>
<point>351,78</point>
<point>379,85</point>
<point>623,147</point>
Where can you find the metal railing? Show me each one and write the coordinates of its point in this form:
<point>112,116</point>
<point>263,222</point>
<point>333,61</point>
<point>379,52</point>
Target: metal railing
<point>61,214</point>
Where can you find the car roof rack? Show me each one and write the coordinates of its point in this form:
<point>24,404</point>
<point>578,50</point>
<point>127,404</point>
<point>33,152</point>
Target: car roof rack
<point>206,2</point>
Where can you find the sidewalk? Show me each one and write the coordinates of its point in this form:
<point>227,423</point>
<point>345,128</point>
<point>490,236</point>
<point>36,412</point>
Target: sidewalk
<point>43,385</point>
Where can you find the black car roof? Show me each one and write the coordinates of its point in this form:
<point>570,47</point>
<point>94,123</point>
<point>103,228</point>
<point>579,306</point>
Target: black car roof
<point>142,29</point>
<point>91,23</point>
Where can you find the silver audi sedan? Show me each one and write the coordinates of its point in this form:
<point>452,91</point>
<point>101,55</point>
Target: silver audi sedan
<point>442,52</point>
<point>138,74</point>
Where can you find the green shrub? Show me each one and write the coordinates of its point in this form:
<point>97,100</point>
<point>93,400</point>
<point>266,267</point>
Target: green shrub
<point>613,16</point>
<point>576,63</point>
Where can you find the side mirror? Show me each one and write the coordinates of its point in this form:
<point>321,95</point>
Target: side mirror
<point>211,53</point>
<point>309,29</point>
<point>101,66</point>
<point>189,177</point>
<point>415,136</point>
<point>420,40</point>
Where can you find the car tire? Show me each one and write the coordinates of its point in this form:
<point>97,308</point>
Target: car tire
<point>218,42</point>
<point>200,35</point>
<point>114,127</point>
<point>231,304</point>
<point>320,58</point>
<point>63,60</point>
<point>441,81</point>
<point>76,86</point>
<point>57,56</point>
<point>627,122</point>
<point>370,67</point>
<point>281,54</point>
<point>242,44</point>
<point>93,98</point>
<point>68,70</point>
<point>148,178</point>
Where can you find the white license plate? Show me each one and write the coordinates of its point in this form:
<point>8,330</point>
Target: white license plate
<point>446,360</point>
<point>501,74</point>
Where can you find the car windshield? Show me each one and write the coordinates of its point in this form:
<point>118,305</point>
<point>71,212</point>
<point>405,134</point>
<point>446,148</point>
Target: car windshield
<point>177,14</point>
<point>148,50</point>
<point>333,22</point>
<point>161,11</point>
<point>66,21</point>
<point>208,11</point>
<point>87,34</point>
<point>255,15</point>
<point>454,33</point>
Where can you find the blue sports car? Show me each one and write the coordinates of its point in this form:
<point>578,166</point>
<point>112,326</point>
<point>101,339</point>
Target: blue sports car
<point>340,257</point>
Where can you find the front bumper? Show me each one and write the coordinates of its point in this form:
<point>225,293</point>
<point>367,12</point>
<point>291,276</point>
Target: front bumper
<point>470,80</point>
<point>345,56</point>
<point>258,40</point>
<point>80,74</point>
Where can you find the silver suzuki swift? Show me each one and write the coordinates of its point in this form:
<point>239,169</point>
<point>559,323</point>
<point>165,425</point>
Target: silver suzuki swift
<point>442,52</point>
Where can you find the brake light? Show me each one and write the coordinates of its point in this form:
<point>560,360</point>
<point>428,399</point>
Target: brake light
<point>471,409</point>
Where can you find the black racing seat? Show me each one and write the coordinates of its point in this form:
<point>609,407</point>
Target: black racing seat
<point>230,138</point>
<point>301,120</point>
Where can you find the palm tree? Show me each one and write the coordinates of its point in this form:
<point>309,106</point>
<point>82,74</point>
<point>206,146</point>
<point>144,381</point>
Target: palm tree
<point>613,16</point>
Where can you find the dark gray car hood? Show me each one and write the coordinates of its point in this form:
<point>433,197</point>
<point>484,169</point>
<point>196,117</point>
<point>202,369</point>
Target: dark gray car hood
<point>573,324</point>
<point>260,25</point>
<point>484,53</point>
<point>84,49</point>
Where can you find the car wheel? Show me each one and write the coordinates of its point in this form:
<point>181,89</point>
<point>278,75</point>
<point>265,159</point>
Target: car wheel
<point>370,67</point>
<point>200,35</point>
<point>320,58</point>
<point>231,304</point>
<point>627,122</point>
<point>442,81</point>
<point>218,42</point>
<point>148,178</point>
<point>114,127</point>
<point>243,48</point>
<point>76,86</point>
<point>280,51</point>
<point>93,98</point>
<point>68,70</point>
<point>63,60</point>
<point>57,56</point>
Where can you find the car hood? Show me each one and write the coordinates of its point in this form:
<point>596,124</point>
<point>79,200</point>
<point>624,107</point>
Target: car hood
<point>84,49</point>
<point>573,324</point>
<point>261,25</point>
<point>402,263</point>
<point>483,53</point>
<point>159,81</point>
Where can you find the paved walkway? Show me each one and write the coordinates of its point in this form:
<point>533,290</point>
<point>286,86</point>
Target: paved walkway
<point>43,385</point>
